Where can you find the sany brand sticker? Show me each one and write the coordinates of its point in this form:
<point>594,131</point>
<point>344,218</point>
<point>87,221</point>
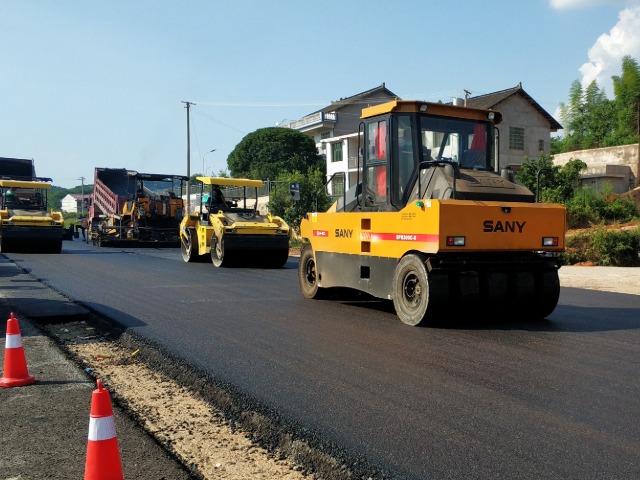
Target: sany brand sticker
<point>320,233</point>
<point>343,233</point>
<point>398,237</point>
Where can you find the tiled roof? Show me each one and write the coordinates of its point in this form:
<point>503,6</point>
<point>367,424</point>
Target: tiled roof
<point>492,100</point>
<point>357,98</point>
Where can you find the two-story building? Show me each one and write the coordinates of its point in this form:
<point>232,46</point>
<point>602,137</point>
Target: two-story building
<point>525,130</point>
<point>335,130</point>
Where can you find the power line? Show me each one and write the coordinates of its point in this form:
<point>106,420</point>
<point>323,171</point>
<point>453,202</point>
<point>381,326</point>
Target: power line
<point>199,112</point>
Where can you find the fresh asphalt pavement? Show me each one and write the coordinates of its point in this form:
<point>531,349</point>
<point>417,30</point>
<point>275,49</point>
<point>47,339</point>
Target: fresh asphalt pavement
<point>45,425</point>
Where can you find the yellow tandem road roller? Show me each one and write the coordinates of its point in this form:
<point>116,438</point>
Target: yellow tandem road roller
<point>228,229</point>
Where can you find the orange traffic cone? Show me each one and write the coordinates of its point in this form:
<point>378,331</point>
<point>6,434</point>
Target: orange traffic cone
<point>15,364</point>
<point>103,457</point>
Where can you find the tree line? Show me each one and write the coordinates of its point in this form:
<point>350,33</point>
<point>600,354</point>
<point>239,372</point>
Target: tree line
<point>591,120</point>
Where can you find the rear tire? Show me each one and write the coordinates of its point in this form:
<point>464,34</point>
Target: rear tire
<point>308,274</point>
<point>550,294</point>
<point>217,251</point>
<point>411,289</point>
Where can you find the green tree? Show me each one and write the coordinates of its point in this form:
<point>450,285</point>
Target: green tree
<point>627,100</point>
<point>572,115</point>
<point>599,115</point>
<point>591,120</point>
<point>313,196</point>
<point>588,118</point>
<point>270,152</point>
<point>55,196</point>
<point>554,183</point>
<point>557,145</point>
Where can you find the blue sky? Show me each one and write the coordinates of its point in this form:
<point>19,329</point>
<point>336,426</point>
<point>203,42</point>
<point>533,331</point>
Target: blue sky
<point>88,84</point>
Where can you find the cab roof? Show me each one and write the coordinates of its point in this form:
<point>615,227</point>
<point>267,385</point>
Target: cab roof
<point>440,109</point>
<point>231,182</point>
<point>24,184</point>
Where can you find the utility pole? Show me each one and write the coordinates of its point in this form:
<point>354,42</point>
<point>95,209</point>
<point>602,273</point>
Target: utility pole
<point>466,96</point>
<point>82,201</point>
<point>188,206</point>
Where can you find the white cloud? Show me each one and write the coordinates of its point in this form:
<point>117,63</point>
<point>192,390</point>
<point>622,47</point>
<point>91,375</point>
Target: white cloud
<point>605,56</point>
<point>569,4</point>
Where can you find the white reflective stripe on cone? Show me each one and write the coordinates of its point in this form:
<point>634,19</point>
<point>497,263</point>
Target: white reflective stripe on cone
<point>103,428</point>
<point>13,340</point>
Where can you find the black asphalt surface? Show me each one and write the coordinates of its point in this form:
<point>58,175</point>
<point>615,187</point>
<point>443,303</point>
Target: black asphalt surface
<point>44,426</point>
<point>481,399</point>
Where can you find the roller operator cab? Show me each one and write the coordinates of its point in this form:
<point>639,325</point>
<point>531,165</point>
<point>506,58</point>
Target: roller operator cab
<point>228,229</point>
<point>432,225</point>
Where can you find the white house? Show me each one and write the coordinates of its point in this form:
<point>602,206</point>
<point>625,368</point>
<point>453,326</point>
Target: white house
<point>73,203</point>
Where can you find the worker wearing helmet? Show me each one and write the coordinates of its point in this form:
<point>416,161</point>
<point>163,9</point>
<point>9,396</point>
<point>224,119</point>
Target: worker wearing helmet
<point>10,199</point>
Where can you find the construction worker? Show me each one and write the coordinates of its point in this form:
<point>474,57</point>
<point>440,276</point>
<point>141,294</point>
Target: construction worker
<point>10,199</point>
<point>83,224</point>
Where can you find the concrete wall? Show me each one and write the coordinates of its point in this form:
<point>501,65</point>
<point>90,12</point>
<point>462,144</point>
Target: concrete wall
<point>617,165</point>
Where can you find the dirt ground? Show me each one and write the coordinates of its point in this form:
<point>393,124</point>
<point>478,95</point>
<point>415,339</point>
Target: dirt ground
<point>179,418</point>
<point>187,425</point>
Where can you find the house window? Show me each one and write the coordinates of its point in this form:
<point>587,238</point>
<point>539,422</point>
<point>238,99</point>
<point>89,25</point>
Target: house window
<point>337,186</point>
<point>336,152</point>
<point>541,146</point>
<point>516,138</point>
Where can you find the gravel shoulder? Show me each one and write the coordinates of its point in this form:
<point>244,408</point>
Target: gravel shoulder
<point>606,279</point>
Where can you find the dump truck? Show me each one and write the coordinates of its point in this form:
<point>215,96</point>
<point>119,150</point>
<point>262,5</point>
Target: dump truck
<point>26,222</point>
<point>230,230</point>
<point>433,223</point>
<point>133,209</point>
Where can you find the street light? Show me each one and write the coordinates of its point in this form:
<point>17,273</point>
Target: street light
<point>82,201</point>
<point>204,172</point>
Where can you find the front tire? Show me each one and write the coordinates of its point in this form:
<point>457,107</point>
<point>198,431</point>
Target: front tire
<point>411,289</point>
<point>189,247</point>
<point>308,274</point>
